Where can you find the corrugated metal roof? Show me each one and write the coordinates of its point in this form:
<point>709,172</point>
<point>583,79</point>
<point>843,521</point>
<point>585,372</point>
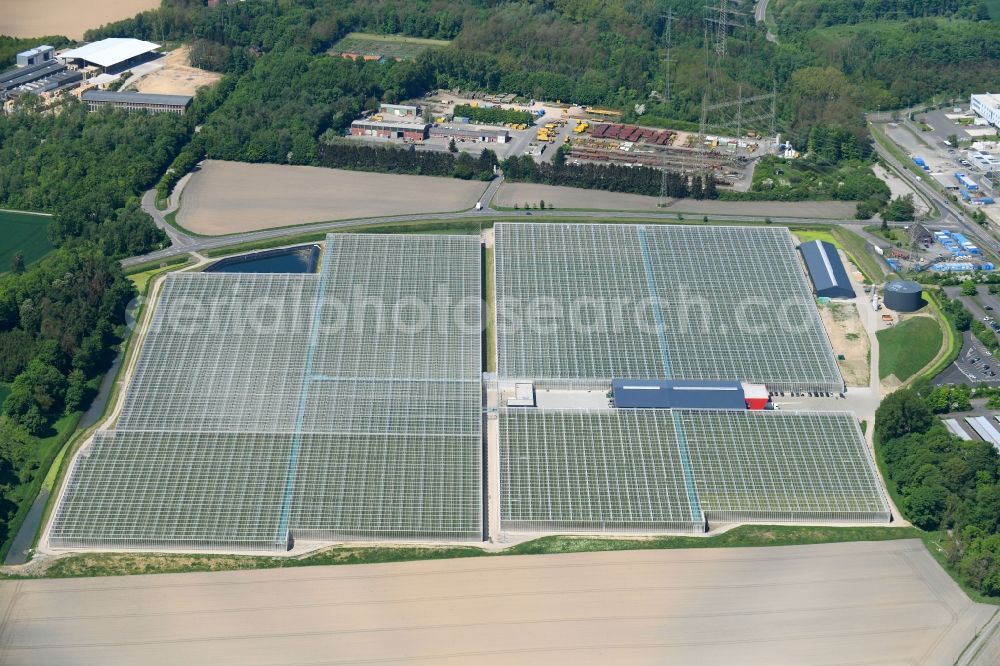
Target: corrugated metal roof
<point>827,272</point>
<point>677,394</point>
<point>111,51</point>
<point>134,97</point>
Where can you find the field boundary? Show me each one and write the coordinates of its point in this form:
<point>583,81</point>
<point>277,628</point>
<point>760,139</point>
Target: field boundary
<point>74,565</point>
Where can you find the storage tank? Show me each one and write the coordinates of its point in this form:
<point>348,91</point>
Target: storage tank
<point>903,296</point>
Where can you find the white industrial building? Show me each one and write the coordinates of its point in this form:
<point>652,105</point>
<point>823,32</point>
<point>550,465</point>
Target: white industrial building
<point>114,53</point>
<point>987,107</point>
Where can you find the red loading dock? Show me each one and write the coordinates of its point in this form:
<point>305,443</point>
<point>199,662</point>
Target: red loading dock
<point>756,395</point>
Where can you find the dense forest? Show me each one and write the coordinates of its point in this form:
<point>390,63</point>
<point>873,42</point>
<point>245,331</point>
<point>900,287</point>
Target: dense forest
<point>944,483</point>
<point>800,15</point>
<point>828,69</point>
<point>59,323</point>
<point>88,170</point>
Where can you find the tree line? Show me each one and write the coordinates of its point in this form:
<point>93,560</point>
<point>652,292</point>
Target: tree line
<point>358,156</point>
<point>609,177</point>
<point>944,484</point>
<point>493,115</point>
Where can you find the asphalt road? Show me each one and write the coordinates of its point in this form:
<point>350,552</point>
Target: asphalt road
<point>760,14</point>
<point>950,214</point>
<point>183,243</point>
<point>872,603</point>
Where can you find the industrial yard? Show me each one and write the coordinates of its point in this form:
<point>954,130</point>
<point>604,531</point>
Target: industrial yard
<point>171,75</point>
<point>590,135</point>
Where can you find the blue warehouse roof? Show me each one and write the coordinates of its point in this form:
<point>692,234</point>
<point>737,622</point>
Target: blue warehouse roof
<point>677,394</point>
<point>827,272</point>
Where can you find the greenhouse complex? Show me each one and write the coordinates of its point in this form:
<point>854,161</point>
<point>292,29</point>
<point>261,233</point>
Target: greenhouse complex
<point>635,369</point>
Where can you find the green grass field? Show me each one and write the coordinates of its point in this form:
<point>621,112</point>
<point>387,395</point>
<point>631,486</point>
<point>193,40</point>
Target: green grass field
<point>389,46</point>
<point>994,7</point>
<point>907,347</point>
<point>23,232</point>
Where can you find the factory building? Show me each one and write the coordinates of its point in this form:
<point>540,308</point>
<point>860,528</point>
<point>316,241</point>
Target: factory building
<point>826,270</point>
<point>44,77</point>
<point>130,101</point>
<point>400,111</point>
<point>115,54</point>
<point>36,56</point>
<point>687,394</point>
<point>467,133</point>
<point>987,106</point>
<point>390,130</point>
<point>903,296</point>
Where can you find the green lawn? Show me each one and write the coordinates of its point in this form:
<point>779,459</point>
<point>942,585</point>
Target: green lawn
<point>23,232</point>
<point>390,46</point>
<point>994,7</point>
<point>909,346</point>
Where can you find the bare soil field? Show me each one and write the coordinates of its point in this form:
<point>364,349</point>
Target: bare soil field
<point>232,197</point>
<point>848,337</point>
<point>572,197</point>
<point>885,603</point>
<point>176,76</point>
<point>900,188</point>
<point>34,18</point>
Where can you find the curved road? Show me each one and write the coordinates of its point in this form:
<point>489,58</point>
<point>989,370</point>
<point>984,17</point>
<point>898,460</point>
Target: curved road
<point>760,14</point>
<point>182,243</point>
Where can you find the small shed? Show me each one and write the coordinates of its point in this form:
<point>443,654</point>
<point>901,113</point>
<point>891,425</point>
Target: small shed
<point>826,270</point>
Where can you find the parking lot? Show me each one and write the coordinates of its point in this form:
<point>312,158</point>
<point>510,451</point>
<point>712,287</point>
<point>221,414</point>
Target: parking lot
<point>975,364</point>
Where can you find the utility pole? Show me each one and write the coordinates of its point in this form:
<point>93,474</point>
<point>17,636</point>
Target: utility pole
<point>668,60</point>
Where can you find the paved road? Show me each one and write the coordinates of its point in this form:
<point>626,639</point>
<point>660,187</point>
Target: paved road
<point>183,243</point>
<point>872,603</point>
<point>760,14</point>
<point>177,238</point>
<point>950,214</point>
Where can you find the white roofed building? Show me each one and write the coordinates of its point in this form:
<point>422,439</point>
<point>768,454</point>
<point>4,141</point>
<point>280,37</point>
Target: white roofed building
<point>109,54</point>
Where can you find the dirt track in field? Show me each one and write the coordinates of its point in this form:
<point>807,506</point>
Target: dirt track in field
<point>233,197</point>
<point>572,197</point>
